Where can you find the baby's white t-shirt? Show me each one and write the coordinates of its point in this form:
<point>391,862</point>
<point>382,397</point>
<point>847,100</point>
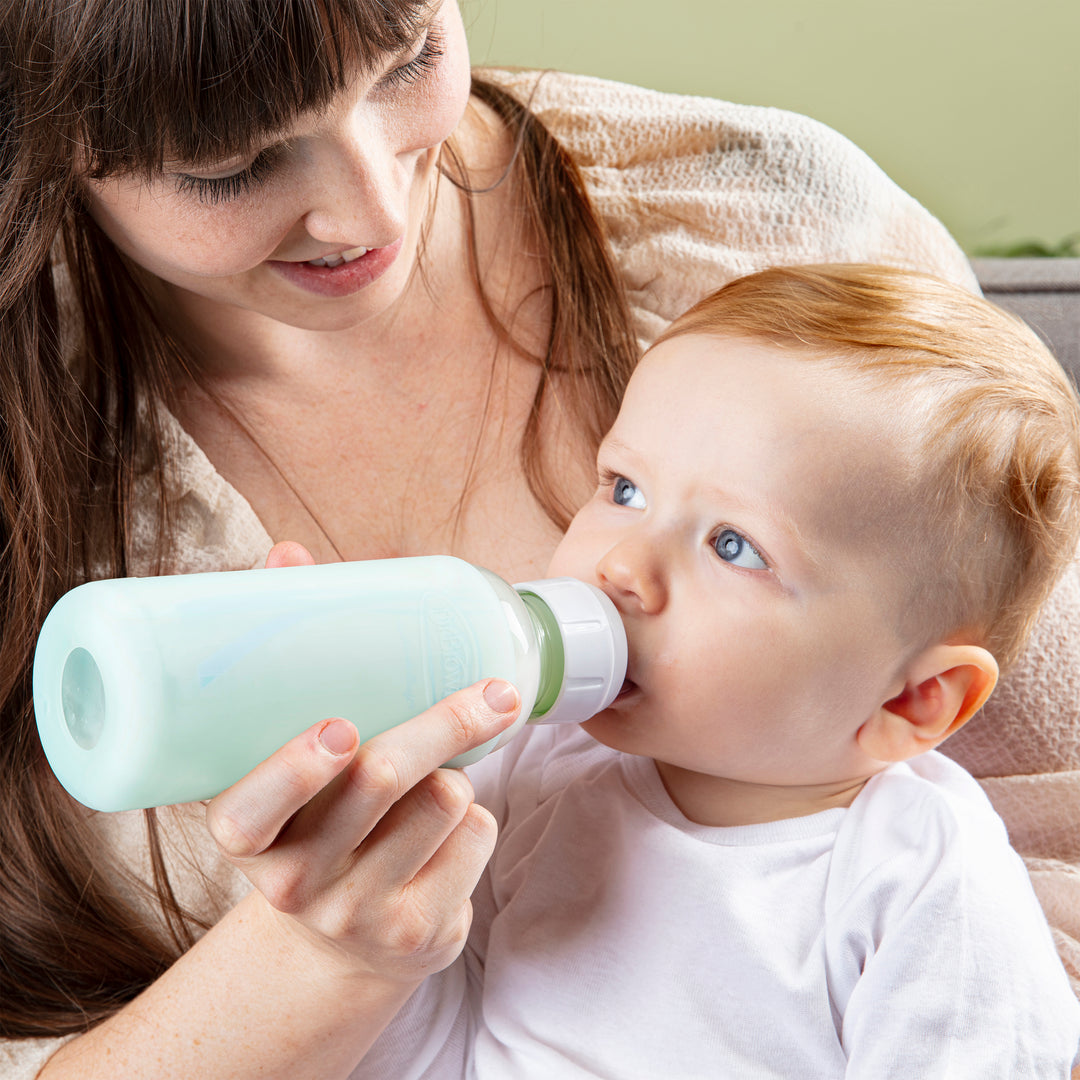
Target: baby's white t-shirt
<point>612,937</point>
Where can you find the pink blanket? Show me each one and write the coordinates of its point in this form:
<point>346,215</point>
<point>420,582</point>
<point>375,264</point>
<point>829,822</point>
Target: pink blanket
<point>1025,749</point>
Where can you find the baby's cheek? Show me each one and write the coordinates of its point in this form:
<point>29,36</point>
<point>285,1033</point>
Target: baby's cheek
<point>558,564</point>
<point>577,554</point>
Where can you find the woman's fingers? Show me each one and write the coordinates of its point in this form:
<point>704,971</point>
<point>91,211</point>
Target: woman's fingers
<point>433,913</point>
<point>289,553</point>
<point>304,811</point>
<point>453,870</point>
<point>247,818</point>
<point>393,784</point>
<point>391,765</point>
<point>416,826</point>
<point>450,727</point>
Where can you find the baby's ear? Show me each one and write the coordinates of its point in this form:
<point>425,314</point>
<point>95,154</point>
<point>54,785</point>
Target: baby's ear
<point>945,685</point>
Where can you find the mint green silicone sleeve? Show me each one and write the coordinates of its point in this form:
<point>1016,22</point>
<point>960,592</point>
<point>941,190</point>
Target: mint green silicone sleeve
<point>162,690</point>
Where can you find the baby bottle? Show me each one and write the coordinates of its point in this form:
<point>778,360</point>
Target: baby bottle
<point>162,690</point>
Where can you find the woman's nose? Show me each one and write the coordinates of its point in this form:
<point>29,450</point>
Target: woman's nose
<point>360,195</point>
<point>632,572</point>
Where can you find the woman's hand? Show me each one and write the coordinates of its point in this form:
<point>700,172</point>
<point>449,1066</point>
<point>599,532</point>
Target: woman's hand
<point>363,859</point>
<point>369,853</point>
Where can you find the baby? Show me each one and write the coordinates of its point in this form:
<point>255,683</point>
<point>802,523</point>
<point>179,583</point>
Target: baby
<point>830,506</point>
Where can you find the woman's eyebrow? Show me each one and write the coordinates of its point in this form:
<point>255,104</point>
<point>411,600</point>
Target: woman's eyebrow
<point>238,160</point>
<point>380,64</point>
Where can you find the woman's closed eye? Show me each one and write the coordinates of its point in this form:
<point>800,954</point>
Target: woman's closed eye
<point>421,65</point>
<point>218,189</point>
<point>736,549</point>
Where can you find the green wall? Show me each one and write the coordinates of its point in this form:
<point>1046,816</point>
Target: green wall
<point>972,105</point>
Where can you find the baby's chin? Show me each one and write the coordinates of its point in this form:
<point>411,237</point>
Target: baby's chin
<point>611,730</point>
<point>596,728</point>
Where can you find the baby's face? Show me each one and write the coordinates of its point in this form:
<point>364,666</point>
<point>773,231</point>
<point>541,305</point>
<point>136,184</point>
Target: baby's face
<point>741,527</point>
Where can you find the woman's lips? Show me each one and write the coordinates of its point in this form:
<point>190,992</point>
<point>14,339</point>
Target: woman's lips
<point>334,281</point>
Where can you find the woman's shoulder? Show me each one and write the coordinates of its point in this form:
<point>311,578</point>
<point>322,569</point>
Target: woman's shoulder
<point>212,526</point>
<point>204,883</point>
<point>615,124</point>
<point>694,191</point>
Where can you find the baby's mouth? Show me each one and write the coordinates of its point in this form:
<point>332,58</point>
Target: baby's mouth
<point>628,687</point>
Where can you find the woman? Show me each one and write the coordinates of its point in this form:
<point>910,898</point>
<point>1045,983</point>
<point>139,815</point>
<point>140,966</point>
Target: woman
<point>282,271</point>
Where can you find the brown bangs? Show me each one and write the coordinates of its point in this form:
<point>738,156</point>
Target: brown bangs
<point>137,81</point>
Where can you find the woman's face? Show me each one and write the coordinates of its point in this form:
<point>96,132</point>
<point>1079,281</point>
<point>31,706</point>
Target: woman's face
<point>317,228</point>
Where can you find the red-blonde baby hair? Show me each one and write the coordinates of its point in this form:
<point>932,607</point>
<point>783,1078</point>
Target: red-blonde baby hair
<point>991,428</point>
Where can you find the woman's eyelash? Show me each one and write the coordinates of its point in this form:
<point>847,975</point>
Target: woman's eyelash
<point>213,190</point>
<point>421,65</point>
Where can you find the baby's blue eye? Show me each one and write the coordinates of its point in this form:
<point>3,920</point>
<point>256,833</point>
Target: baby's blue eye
<point>625,493</point>
<point>734,548</point>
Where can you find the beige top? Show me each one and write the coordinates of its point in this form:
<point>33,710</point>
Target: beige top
<point>693,192</point>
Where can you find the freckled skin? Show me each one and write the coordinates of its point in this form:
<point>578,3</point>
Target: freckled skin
<point>360,175</point>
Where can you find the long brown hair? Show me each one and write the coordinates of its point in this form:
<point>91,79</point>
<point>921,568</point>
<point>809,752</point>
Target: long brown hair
<point>127,82</point>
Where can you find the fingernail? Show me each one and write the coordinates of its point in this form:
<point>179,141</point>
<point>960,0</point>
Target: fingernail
<point>337,736</point>
<point>501,696</point>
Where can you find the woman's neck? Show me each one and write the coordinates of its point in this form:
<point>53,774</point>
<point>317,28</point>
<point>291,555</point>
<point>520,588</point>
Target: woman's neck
<point>401,436</point>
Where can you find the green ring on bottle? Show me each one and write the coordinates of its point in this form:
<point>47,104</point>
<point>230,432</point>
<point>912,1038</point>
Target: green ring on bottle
<point>549,637</point>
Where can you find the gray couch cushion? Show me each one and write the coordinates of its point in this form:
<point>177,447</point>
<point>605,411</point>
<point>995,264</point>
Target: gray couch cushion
<point>1045,293</point>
